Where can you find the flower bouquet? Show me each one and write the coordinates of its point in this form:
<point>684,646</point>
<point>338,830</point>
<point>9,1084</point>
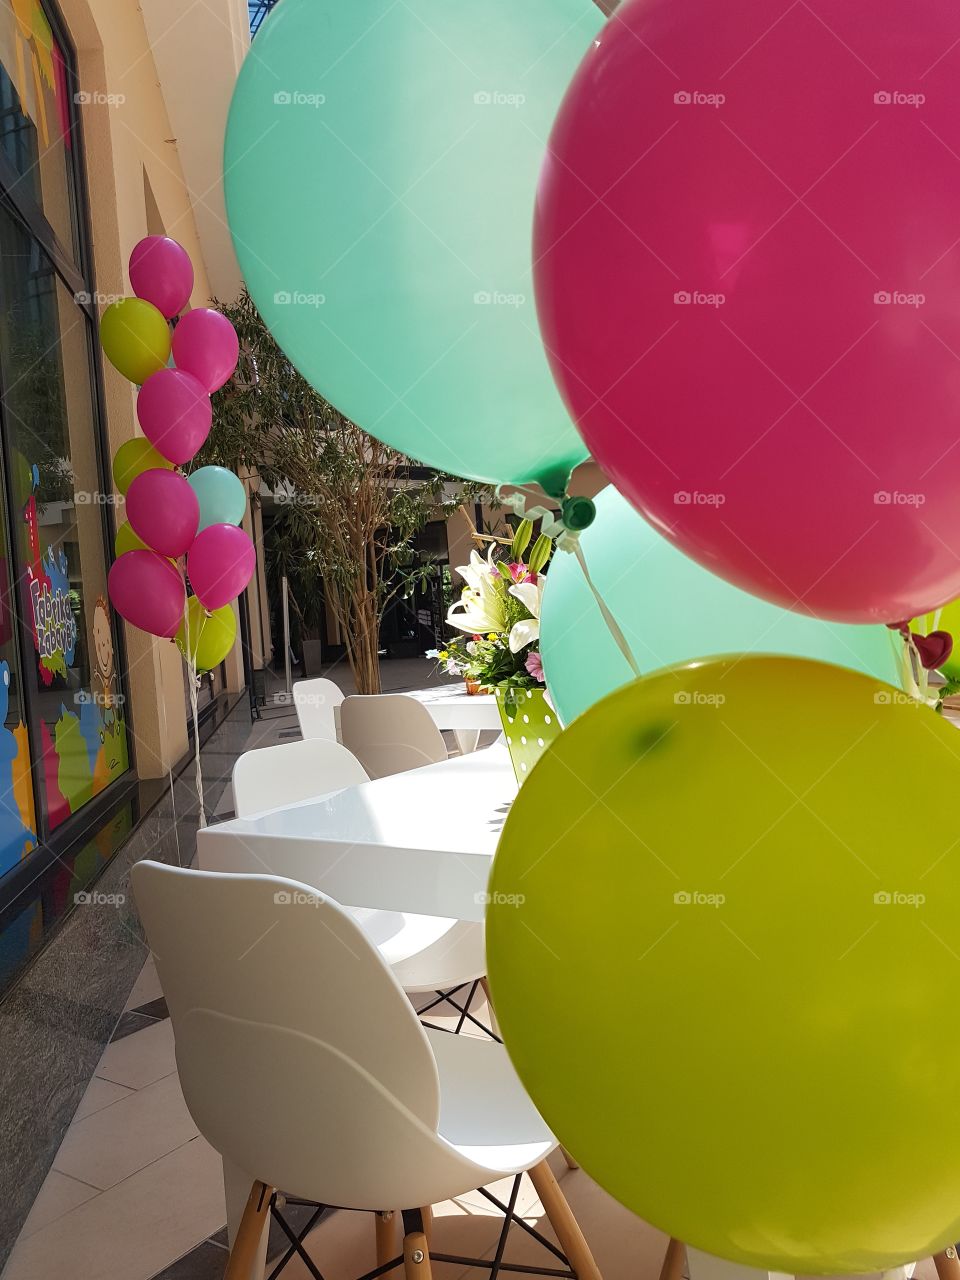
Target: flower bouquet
<point>499,610</point>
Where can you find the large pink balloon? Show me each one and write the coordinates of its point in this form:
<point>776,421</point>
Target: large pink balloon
<point>205,343</point>
<point>175,412</point>
<point>220,564</point>
<point>163,510</point>
<point>162,273</point>
<point>147,590</point>
<point>748,281</point>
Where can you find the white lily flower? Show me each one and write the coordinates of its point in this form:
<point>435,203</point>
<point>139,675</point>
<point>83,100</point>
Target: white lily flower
<point>473,572</point>
<point>526,630</point>
<point>480,608</point>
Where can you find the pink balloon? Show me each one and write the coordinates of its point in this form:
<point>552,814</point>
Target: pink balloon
<point>175,412</point>
<point>205,343</point>
<point>220,564</point>
<point>147,590</point>
<point>747,273</point>
<point>162,273</point>
<point>163,509</point>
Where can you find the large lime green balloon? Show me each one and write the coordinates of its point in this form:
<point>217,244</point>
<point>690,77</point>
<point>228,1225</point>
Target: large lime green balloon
<point>135,338</point>
<point>380,168</point>
<point>945,619</point>
<point>723,951</point>
<point>211,634</point>
<point>670,609</point>
<point>133,457</point>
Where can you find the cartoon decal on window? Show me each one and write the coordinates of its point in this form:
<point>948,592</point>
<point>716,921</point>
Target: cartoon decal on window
<point>105,675</point>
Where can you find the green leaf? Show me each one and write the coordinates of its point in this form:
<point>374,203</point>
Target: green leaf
<point>505,573</point>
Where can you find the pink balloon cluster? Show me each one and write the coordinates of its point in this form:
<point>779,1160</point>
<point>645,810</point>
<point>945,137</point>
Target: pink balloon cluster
<point>148,587</point>
<point>173,405</point>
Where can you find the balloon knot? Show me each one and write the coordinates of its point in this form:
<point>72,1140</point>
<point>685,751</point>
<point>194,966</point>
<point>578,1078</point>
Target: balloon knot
<point>576,515</point>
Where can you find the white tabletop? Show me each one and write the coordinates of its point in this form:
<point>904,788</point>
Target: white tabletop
<point>421,841</point>
<point>453,708</point>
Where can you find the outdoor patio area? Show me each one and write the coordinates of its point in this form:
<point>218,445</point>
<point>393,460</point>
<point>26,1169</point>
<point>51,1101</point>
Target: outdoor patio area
<point>479,622</point>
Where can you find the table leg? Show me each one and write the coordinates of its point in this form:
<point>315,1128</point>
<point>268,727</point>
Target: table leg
<point>467,740</point>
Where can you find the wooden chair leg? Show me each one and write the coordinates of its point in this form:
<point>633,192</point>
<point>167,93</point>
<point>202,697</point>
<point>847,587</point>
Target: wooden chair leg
<point>416,1257</point>
<point>568,1159</point>
<point>386,1228</point>
<point>947,1264</point>
<point>563,1222</point>
<point>245,1247</point>
<point>426,1213</point>
<point>672,1268</point>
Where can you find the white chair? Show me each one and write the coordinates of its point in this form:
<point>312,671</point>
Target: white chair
<point>271,777</point>
<point>426,953</point>
<point>390,733</point>
<point>303,1064</point>
<point>316,702</point>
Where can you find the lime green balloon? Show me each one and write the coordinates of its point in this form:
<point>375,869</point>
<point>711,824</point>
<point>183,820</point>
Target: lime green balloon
<point>135,338</point>
<point>670,609</point>
<point>734,889</point>
<point>211,634</point>
<point>945,619</point>
<point>133,457</point>
<point>127,540</point>
<point>380,168</point>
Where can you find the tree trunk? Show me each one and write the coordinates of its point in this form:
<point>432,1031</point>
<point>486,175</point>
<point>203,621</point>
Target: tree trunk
<point>363,641</point>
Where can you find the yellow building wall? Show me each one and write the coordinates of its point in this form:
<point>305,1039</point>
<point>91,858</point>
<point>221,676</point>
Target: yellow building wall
<point>136,188</point>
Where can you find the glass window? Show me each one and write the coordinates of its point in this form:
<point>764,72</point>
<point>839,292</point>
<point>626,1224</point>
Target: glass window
<point>18,823</point>
<point>50,429</point>
<point>35,118</point>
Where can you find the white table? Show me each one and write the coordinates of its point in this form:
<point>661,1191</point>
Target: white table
<point>451,707</point>
<point>421,841</point>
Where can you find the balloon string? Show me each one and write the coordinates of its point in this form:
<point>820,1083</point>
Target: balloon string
<point>609,619</point>
<point>192,680</point>
<point>173,794</point>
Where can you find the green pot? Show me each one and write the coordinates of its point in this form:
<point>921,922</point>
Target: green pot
<point>530,724</point>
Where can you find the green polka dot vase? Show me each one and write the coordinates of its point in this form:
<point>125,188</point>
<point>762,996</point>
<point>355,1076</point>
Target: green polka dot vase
<point>530,724</point>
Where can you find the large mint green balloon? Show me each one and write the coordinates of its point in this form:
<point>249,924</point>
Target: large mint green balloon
<point>222,497</point>
<point>380,168</point>
<point>670,610</point>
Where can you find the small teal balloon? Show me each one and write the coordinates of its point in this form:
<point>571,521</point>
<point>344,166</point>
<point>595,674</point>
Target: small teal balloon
<point>222,497</point>
<point>670,610</point>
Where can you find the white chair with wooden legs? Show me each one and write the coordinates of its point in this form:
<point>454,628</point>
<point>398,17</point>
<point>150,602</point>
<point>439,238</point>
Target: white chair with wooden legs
<point>304,1065</point>
<point>390,733</point>
<point>426,953</point>
<point>316,703</point>
<point>272,777</point>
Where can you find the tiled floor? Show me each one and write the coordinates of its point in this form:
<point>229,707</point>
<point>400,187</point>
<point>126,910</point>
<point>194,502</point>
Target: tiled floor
<point>133,1186</point>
